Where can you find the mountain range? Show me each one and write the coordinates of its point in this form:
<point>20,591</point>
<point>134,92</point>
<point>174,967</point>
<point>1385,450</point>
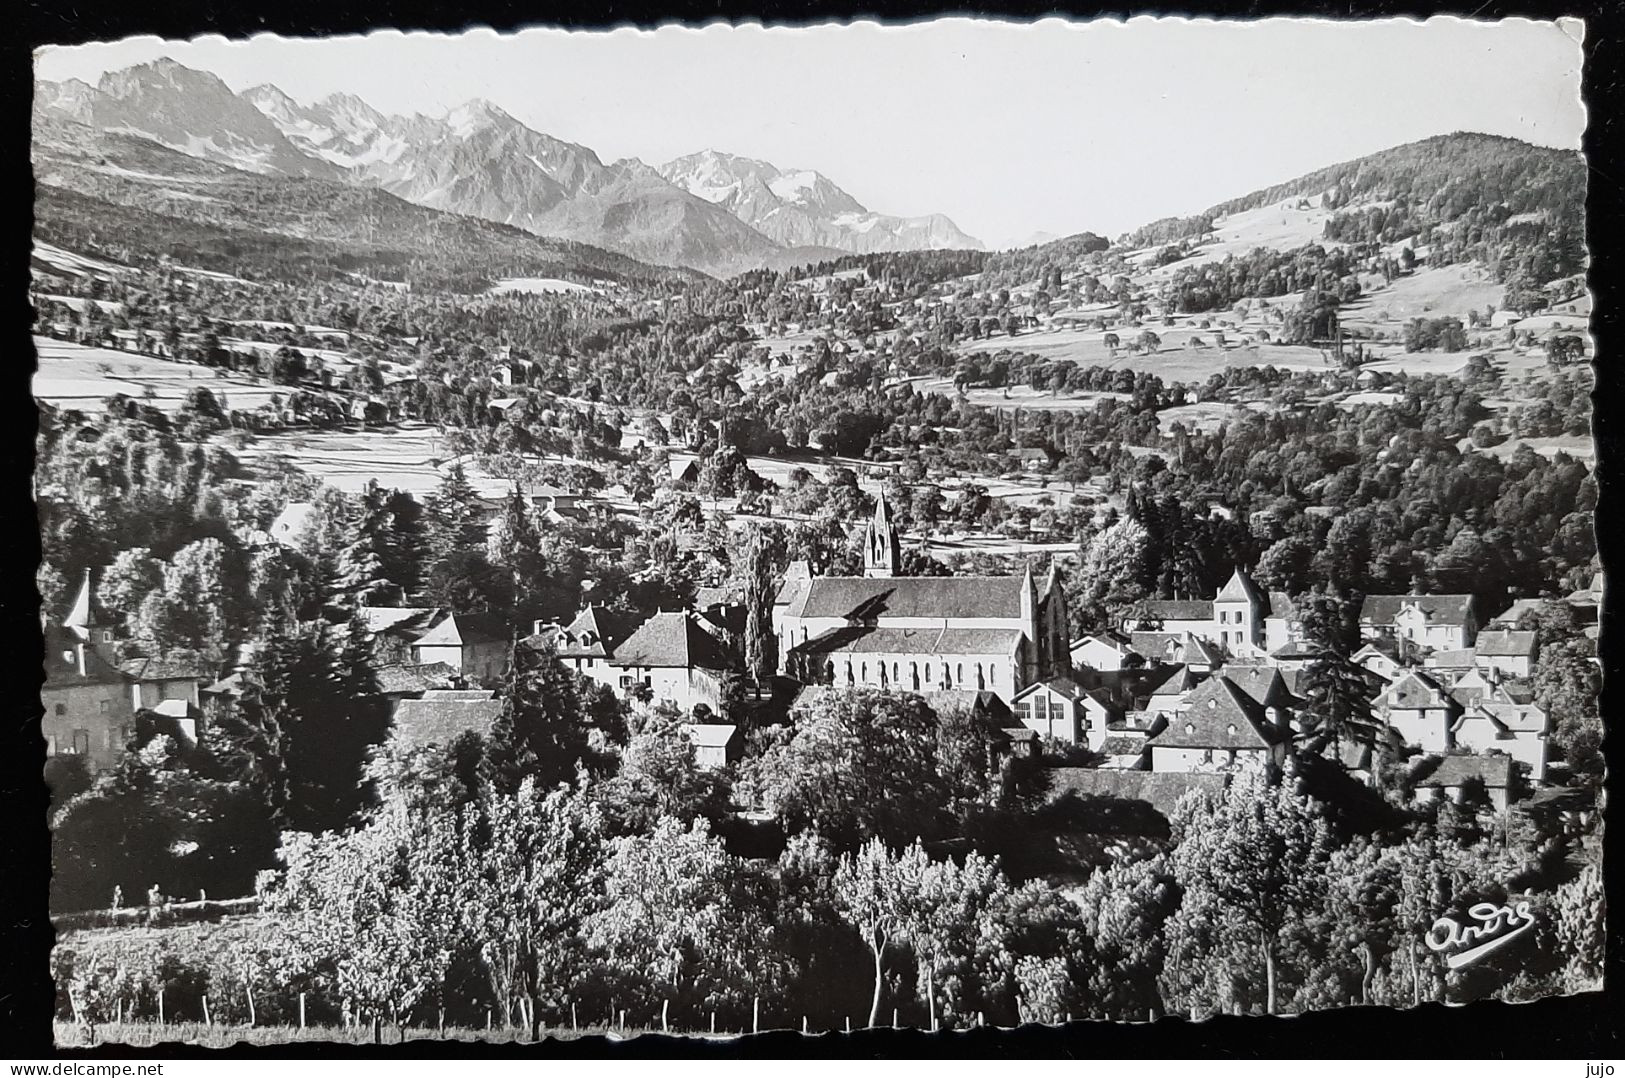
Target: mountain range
<point>710,211</point>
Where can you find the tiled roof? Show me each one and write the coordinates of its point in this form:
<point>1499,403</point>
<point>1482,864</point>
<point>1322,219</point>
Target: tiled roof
<point>1506,643</point>
<point>440,721</point>
<point>595,633</point>
<point>1514,613</point>
<point>414,677</point>
<point>1111,638</point>
<point>461,630</point>
<point>1444,609</point>
<point>401,619</point>
<point>672,639</point>
<point>704,597</point>
<point>1063,687</point>
<point>1414,691</point>
<point>1454,659</point>
<point>1240,588</point>
<point>710,735</point>
<point>1218,715</point>
<point>1123,745</point>
<point>1181,679</point>
<point>1176,610</point>
<point>1495,771</point>
<point>1517,718</point>
<point>862,639</point>
<point>1282,606</point>
<point>1161,790</point>
<point>859,598</point>
<point>1264,684</point>
<point>161,669</point>
<point>1177,647</point>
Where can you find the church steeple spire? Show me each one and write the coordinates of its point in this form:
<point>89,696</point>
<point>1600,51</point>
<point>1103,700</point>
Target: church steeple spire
<point>882,551</point>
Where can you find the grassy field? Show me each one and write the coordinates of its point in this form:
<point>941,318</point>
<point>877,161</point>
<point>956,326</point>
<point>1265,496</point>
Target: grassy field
<point>77,376</point>
<point>1449,291</point>
<point>402,458</point>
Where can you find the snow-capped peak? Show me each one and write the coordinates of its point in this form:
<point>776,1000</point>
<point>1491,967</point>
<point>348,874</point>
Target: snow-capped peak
<point>471,116</point>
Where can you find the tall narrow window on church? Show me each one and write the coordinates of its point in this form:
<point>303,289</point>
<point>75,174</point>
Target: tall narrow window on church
<point>928,673</point>
<point>865,673</point>
<point>959,674</point>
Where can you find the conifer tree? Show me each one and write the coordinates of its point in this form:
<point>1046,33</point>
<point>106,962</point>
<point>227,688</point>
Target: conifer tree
<point>453,517</point>
<point>539,731</point>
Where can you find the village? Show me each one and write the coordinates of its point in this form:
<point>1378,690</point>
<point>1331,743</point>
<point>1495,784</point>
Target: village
<point>451,630</point>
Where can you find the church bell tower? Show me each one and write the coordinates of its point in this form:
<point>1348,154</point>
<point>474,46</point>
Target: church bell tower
<point>882,551</point>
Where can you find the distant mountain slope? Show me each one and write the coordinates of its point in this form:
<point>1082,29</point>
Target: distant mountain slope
<point>196,113</point>
<point>479,161</point>
<point>804,208</point>
<point>146,198</point>
<point>1468,177</point>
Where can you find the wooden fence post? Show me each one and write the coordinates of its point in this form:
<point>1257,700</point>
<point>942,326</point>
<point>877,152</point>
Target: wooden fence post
<point>572,1016</point>
<point>301,1010</point>
<point>160,1004</point>
<point>849,1023</point>
<point>487,1019</point>
<point>803,1025</point>
<point>440,1020</point>
<point>756,1015</point>
<point>713,1022</point>
<point>664,1028</point>
<point>623,1019</point>
<point>206,1019</point>
<point>894,1017</point>
<point>980,1019</point>
<point>249,988</point>
<point>1021,1016</point>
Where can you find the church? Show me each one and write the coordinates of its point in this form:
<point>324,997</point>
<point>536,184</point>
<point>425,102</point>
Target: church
<point>919,634</point>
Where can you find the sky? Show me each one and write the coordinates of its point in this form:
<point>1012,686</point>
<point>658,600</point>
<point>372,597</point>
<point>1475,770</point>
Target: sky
<point>1008,128</point>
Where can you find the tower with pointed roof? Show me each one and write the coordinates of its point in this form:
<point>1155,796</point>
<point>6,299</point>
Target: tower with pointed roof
<point>1238,613</point>
<point>882,550</point>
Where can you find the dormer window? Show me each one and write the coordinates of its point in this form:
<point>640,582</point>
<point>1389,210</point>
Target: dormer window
<point>1190,728</point>
<point>1213,705</point>
<point>1231,730</point>
<point>67,655</point>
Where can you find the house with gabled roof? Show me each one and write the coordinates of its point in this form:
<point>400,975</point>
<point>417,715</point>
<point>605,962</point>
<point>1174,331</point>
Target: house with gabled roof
<point>1219,728</point>
<point>1432,622</point>
<point>1380,657</point>
<point>1419,709</point>
<point>1107,652</point>
<point>671,657</point>
<point>1283,622</point>
<point>1453,778</point>
<point>1508,652</point>
<point>1170,616</point>
<point>1056,708</point>
<point>588,643</point>
<point>1178,649</point>
<point>715,744</point>
<point>441,716</point>
<point>475,644</point>
<point>155,680</point>
<point>394,629</point>
<point>1519,730</point>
